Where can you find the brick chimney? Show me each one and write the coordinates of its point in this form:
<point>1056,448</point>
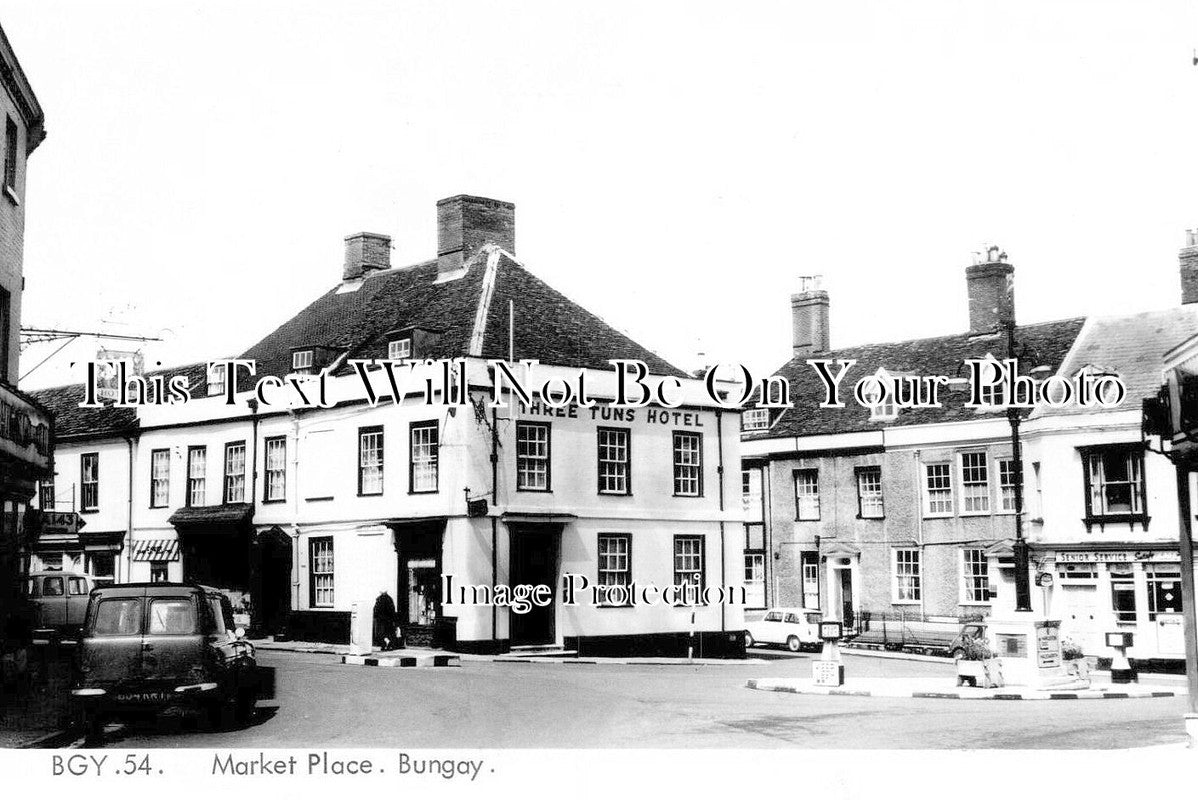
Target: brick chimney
<point>365,252</point>
<point>465,224</point>
<point>991,285</point>
<point>809,318</point>
<point>1188,262</point>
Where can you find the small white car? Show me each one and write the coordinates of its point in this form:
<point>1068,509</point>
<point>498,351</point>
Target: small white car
<point>795,628</point>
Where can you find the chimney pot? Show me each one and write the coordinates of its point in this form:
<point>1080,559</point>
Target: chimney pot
<point>365,252</point>
<point>990,282</point>
<point>466,223</point>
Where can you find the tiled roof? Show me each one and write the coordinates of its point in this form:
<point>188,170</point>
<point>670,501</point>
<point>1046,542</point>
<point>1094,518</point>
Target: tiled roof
<point>72,421</point>
<point>549,327</point>
<point>1047,344</point>
<point>1132,347</point>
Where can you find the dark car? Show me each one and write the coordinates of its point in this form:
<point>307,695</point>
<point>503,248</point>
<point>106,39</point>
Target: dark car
<point>148,646</point>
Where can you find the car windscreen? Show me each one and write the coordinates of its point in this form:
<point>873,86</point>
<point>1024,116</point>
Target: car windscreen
<point>172,616</point>
<point>117,617</point>
<point>814,618</point>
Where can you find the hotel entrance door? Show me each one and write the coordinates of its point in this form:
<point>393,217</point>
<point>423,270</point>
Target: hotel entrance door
<point>534,561</point>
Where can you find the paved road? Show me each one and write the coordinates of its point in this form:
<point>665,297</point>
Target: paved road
<point>483,704</point>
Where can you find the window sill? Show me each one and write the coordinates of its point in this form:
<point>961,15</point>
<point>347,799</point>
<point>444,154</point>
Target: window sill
<point>906,602</point>
<point>95,510</point>
<point>318,499</point>
<point>370,494</point>
<point>533,491</point>
<point>937,516</point>
<point>807,519</point>
<point>1116,519</point>
<point>422,491</point>
<point>274,502</point>
<point>975,602</point>
<point>986,513</point>
<point>691,496</point>
<point>879,517</point>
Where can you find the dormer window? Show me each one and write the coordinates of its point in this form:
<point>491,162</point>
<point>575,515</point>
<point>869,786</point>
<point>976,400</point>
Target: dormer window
<point>755,419</point>
<point>879,396</point>
<point>216,380</point>
<point>302,361</point>
<point>399,349</point>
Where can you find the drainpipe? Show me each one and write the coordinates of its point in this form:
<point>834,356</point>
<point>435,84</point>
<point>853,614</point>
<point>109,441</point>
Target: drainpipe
<point>129,532</point>
<point>719,436</point>
<point>495,522</point>
<point>255,579</point>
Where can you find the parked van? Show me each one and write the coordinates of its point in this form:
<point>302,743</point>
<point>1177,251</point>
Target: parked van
<point>155,645</point>
<point>59,601</point>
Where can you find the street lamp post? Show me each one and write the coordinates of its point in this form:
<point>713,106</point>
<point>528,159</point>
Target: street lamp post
<point>1023,588</point>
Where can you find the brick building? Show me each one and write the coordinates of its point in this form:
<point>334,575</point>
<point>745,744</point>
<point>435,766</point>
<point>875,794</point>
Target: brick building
<point>886,510</point>
<point>25,426</point>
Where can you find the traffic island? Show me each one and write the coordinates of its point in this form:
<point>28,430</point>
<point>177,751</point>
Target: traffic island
<point>934,689</point>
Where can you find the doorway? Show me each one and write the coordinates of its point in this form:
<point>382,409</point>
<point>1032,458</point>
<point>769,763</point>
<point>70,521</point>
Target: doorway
<point>534,561</point>
<point>418,583</point>
<point>272,595</point>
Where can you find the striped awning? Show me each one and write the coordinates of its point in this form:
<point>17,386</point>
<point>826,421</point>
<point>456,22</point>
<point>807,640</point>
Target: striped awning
<point>156,550</point>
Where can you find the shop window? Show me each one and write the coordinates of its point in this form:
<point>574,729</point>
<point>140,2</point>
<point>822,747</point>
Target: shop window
<point>320,569</point>
<point>276,469</point>
<point>975,576</point>
<point>907,585</point>
<point>1077,572</point>
<point>975,484</point>
<point>424,457</point>
<point>532,456</point>
<point>806,494</point>
<point>869,493</point>
<point>197,468</point>
<point>1123,595</point>
<point>938,490</point>
<point>234,472</point>
<point>160,478</point>
<point>102,567</point>
<point>1114,485</point>
<point>615,560</point>
<point>370,461</point>
<point>688,464</point>
<point>89,494</point>
<point>159,571</point>
<point>615,460</point>
<point>1164,589</point>
<point>688,564</point>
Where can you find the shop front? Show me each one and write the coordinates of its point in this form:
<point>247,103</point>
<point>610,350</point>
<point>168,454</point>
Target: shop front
<point>1131,589</point>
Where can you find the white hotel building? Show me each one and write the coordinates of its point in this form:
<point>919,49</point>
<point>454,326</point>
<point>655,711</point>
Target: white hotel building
<point>315,518</point>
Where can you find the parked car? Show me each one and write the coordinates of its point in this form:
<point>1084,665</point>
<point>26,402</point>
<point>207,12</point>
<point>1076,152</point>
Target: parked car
<point>795,628</point>
<point>970,630</point>
<point>59,601</point>
<point>148,646</point>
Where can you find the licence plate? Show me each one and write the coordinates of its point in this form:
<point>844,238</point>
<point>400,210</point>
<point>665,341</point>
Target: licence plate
<point>144,697</point>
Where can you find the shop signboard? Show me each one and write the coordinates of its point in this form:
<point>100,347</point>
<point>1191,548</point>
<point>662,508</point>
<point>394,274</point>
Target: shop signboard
<point>1048,644</point>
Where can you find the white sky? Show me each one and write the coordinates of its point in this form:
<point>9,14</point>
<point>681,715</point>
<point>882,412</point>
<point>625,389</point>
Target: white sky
<point>675,166</point>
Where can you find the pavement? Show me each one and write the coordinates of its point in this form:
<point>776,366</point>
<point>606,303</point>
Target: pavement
<point>935,688</point>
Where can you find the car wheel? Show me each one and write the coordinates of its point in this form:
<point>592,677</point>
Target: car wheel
<point>749,640</point>
<point>958,654</point>
<point>793,644</point>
